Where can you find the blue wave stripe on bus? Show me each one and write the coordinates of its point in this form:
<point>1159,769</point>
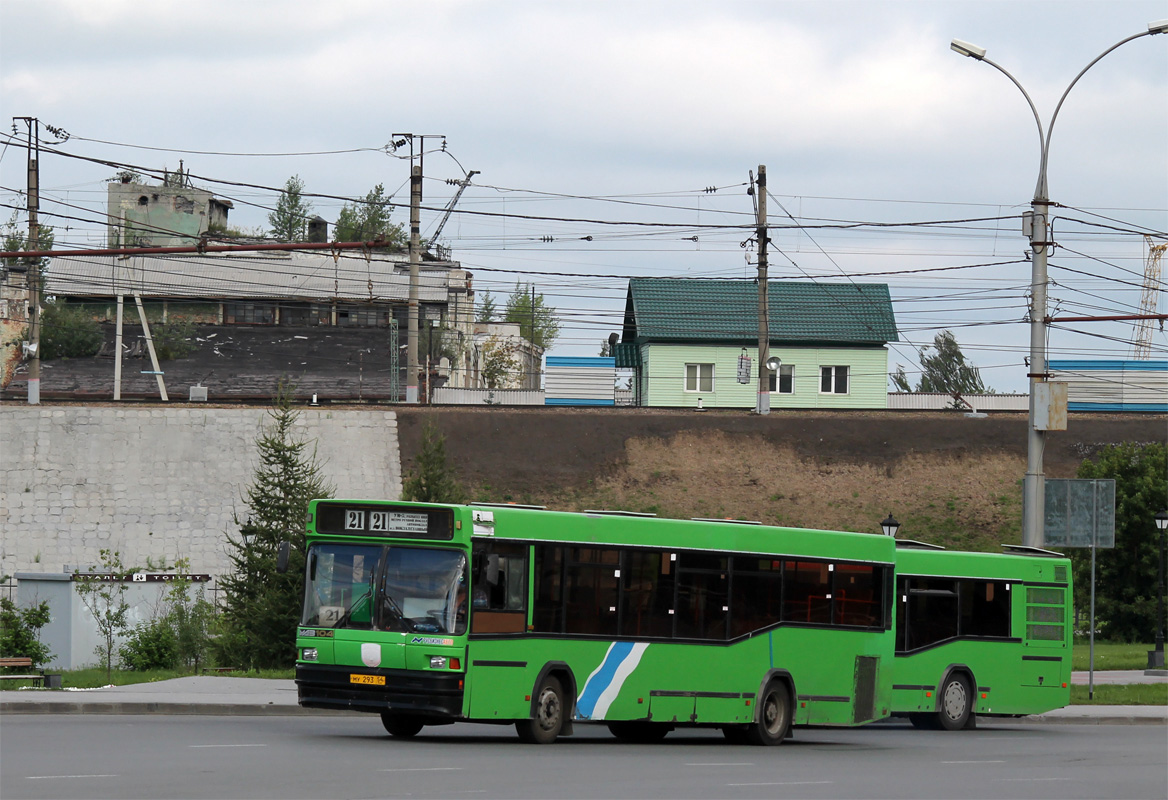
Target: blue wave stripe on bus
<point>600,680</point>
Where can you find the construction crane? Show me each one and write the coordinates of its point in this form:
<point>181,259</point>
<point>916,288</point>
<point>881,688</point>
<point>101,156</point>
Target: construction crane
<point>1148,299</point>
<point>462,184</point>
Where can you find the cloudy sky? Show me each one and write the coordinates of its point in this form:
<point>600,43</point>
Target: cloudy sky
<point>584,116</point>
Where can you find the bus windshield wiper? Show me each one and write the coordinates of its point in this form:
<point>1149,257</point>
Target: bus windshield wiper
<point>352,607</point>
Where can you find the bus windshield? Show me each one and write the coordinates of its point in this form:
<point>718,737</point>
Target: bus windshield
<point>405,589</point>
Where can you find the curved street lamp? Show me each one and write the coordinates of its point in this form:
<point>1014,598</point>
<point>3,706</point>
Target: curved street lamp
<point>1036,225</point>
<point>1156,657</point>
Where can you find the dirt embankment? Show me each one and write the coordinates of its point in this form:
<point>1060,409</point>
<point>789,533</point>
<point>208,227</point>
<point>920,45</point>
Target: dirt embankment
<point>945,477</point>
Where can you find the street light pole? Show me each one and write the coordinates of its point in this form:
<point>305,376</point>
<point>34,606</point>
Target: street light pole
<point>1037,225</point>
<point>1156,657</point>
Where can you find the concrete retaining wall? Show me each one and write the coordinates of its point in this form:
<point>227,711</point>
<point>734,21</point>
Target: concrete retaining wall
<point>159,483</point>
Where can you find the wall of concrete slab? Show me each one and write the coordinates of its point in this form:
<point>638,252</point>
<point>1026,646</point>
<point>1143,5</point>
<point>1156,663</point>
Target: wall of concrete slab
<point>159,483</point>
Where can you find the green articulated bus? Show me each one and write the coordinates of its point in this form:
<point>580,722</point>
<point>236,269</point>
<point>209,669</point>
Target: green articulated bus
<point>433,614</point>
<point>980,634</point>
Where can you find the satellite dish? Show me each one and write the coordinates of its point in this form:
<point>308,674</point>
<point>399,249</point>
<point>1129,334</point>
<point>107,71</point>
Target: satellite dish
<point>773,363</point>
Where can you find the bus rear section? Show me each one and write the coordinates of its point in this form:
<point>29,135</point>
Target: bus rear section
<point>980,634</point>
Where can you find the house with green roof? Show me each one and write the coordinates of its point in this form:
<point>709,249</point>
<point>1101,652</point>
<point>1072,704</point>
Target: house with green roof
<point>694,342</point>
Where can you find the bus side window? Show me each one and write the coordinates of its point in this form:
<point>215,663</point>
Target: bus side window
<point>499,588</point>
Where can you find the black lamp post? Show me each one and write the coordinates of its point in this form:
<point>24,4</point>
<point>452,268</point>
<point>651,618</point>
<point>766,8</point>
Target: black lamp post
<point>1156,657</point>
<point>889,525</point>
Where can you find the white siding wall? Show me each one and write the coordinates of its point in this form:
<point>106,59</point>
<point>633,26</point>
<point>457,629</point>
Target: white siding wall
<point>453,396</point>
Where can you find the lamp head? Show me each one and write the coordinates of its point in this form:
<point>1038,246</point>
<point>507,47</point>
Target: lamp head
<point>1160,26</point>
<point>889,525</point>
<point>1162,520</point>
<point>967,49</point>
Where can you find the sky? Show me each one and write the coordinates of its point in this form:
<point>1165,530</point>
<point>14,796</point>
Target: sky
<point>584,117</point>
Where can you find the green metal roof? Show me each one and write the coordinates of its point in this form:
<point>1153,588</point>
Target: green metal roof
<point>695,310</point>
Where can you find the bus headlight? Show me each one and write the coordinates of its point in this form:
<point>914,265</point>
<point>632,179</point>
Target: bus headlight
<point>437,662</point>
<point>308,654</point>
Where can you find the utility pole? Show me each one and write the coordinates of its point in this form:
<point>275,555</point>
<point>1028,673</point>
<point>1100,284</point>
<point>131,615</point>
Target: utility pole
<point>412,367</point>
<point>34,263</point>
<point>415,255</point>
<point>764,328</point>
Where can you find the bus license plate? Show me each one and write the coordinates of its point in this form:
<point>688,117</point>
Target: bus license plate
<point>369,680</point>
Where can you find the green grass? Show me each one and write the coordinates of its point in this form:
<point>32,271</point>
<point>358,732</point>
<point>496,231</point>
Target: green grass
<point>1134,694</point>
<point>1109,655</point>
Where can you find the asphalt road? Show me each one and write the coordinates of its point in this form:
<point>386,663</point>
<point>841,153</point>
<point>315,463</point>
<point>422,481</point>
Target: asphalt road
<point>163,756</point>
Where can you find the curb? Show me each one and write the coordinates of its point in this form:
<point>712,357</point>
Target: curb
<point>188,709</point>
<point>1086,721</point>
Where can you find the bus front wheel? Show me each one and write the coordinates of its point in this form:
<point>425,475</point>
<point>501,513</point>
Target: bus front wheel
<point>956,703</point>
<point>545,724</point>
<point>399,726</point>
<point>774,717</point>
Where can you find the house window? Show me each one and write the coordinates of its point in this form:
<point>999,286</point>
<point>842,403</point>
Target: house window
<point>249,313</point>
<point>699,377</point>
<point>362,316</point>
<point>833,380</point>
<point>305,314</point>
<point>784,381</point>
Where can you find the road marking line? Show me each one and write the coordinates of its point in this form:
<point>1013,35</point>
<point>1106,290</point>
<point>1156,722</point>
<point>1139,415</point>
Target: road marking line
<point>784,783</point>
<point>1018,780</point>
<point>227,745</point>
<point>52,777</point>
<point>719,764</point>
<point>973,762</point>
<point>422,769</point>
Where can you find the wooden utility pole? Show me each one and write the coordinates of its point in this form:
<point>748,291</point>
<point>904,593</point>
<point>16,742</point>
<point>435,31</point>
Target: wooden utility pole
<point>764,331</point>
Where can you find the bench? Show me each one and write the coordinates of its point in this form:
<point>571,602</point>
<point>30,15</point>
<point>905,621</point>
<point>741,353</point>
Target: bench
<point>20,663</point>
<point>220,670</point>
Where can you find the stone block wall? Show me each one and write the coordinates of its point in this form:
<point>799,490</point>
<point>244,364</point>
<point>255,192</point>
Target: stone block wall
<point>159,483</point>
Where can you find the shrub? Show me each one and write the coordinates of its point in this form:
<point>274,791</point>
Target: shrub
<point>68,333</point>
<point>20,631</point>
<point>152,645</point>
<point>173,339</point>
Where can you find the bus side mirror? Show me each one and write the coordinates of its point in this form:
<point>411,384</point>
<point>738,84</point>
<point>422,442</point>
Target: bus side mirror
<point>282,554</point>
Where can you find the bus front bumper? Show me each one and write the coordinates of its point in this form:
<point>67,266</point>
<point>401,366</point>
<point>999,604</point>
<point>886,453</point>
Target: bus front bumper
<point>436,696</point>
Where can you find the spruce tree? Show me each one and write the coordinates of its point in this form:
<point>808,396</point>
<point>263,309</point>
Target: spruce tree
<point>432,480</point>
<point>487,310</point>
<point>262,607</point>
<point>289,220</point>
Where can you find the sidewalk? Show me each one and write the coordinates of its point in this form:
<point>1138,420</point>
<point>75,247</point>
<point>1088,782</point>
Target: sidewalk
<point>204,694</point>
<point>226,696</point>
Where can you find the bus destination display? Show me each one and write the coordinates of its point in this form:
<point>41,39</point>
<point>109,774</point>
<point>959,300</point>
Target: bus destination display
<point>385,522</point>
<point>350,519</point>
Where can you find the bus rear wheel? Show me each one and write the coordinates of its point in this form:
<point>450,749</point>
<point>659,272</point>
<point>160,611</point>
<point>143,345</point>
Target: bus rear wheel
<point>400,726</point>
<point>545,724</point>
<point>956,703</point>
<point>640,732</point>
<point>774,717</point>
